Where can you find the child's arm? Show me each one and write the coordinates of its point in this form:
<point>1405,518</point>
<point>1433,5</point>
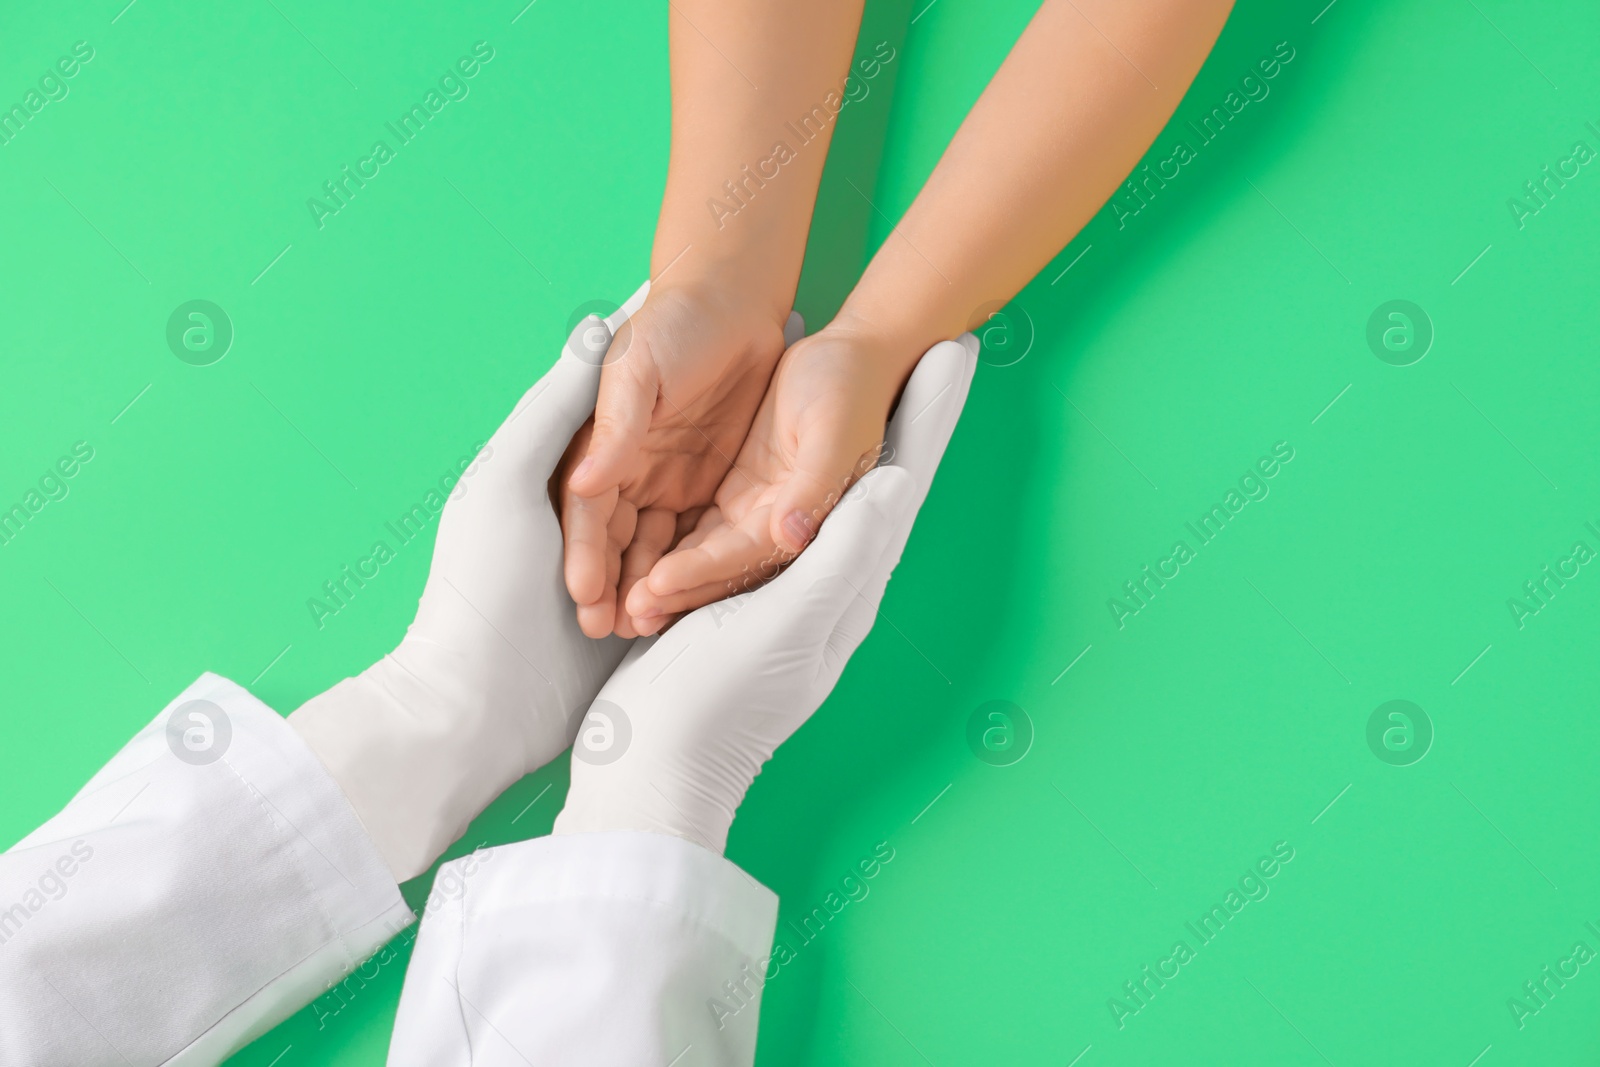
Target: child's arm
<point>683,382</point>
<point>1081,96</point>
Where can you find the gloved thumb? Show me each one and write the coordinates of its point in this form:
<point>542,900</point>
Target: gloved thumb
<point>842,566</point>
<point>915,442</point>
<point>929,407</point>
<point>545,419</point>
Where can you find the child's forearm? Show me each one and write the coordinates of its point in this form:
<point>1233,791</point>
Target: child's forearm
<point>737,207</point>
<point>1079,99</point>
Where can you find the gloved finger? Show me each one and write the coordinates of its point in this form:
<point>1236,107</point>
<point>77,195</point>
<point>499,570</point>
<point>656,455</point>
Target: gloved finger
<point>627,398</point>
<point>652,537</point>
<point>794,328</point>
<point>550,413</point>
<point>552,410</point>
<point>615,320</point>
<point>860,528</point>
<point>929,406</point>
<point>861,613</point>
<point>845,562</point>
<point>926,417</point>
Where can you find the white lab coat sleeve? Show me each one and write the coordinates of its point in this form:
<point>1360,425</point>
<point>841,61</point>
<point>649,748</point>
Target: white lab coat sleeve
<point>596,949</point>
<point>178,908</point>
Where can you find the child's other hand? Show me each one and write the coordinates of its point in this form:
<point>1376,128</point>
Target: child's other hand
<point>818,430</point>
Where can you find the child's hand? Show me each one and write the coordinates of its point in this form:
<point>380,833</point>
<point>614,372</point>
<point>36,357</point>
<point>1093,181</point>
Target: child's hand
<point>681,383</point>
<point>819,429</point>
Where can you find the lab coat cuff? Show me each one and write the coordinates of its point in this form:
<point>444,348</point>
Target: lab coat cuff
<point>609,949</point>
<point>221,882</point>
<point>296,794</point>
<point>658,871</point>
<point>338,858</point>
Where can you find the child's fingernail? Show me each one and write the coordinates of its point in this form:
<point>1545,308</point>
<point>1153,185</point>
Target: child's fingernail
<point>799,527</point>
<point>583,468</point>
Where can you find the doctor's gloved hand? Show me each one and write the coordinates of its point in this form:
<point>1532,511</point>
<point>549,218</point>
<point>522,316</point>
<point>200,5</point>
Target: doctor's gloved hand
<point>491,678</point>
<point>680,731</point>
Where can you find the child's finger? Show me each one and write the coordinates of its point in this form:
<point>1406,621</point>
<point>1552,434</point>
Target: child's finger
<point>652,537</point>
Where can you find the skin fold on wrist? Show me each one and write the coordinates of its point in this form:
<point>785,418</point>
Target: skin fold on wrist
<point>725,285</point>
<point>894,340</point>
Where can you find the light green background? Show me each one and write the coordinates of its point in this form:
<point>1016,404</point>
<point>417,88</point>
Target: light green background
<point>1224,318</point>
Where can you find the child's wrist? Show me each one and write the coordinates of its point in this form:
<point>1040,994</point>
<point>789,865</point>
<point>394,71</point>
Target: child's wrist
<point>895,340</point>
<point>723,283</point>
<point>751,261</point>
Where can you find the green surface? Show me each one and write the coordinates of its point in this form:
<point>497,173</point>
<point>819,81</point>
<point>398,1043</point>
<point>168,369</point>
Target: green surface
<point>1189,340</point>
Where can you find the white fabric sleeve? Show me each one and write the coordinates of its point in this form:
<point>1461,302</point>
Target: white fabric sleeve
<point>207,883</point>
<point>620,948</point>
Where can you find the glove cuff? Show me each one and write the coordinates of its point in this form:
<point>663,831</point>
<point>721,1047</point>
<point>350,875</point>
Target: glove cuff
<point>416,765</point>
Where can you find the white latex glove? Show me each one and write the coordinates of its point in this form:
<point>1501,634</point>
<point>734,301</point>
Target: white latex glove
<point>682,728</point>
<point>493,675</point>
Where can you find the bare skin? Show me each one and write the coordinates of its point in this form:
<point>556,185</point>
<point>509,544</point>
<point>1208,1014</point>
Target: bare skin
<point>1062,122</point>
<point>684,378</point>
